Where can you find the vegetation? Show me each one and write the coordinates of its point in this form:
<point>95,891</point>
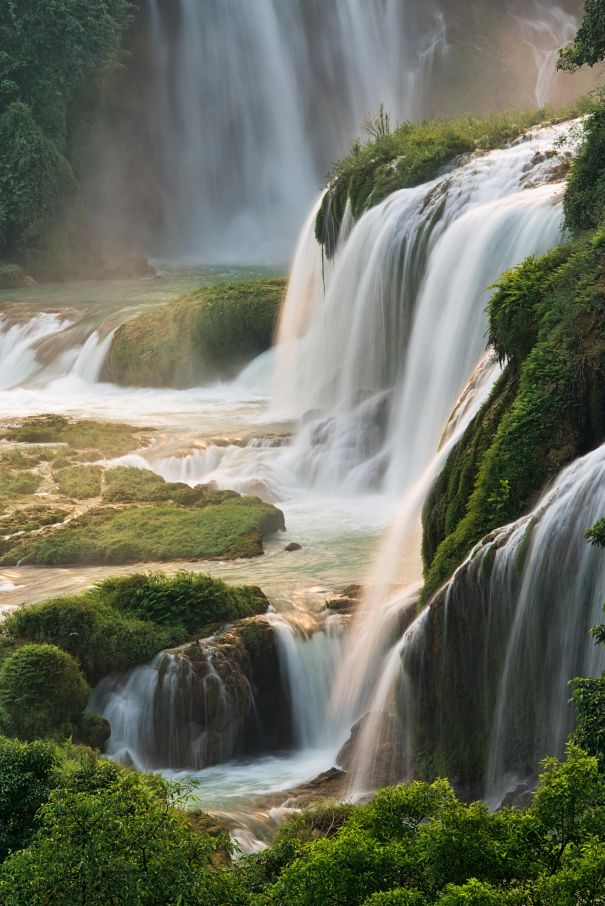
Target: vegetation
<point>42,692</point>
<point>53,62</point>
<point>105,834</point>
<point>123,622</point>
<point>411,154</point>
<point>79,482</point>
<point>204,335</point>
<point>588,47</point>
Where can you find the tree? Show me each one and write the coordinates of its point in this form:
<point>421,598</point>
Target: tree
<point>588,47</point>
<point>42,691</point>
<point>120,845</point>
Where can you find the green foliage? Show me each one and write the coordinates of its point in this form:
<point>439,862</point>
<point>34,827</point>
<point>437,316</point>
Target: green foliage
<point>588,47</point>
<point>204,335</point>
<point>51,69</point>
<point>121,844</point>
<point>546,321</point>
<point>411,154</point>
<point>17,484</point>
<point>226,528</point>
<point>125,621</point>
<point>584,202</point>
<point>419,845</point>
<point>26,779</point>
<point>79,482</point>
<point>42,692</point>
<point>11,275</point>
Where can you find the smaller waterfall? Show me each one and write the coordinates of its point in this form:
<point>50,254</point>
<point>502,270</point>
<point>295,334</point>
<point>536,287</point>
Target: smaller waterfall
<point>18,343</point>
<point>91,358</point>
<point>309,659</point>
<point>185,710</point>
<point>545,32</point>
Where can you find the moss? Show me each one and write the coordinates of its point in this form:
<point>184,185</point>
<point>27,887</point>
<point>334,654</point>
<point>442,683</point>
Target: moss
<point>201,336</point>
<point>109,438</point>
<point>79,482</point>
<point>415,153</point>
<point>228,529</point>
<point>18,484</point>
<point>30,519</point>
<point>129,485</point>
<point>547,321</point>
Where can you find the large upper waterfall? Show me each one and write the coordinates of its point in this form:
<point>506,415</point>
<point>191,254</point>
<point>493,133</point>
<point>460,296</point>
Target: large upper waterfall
<point>235,110</point>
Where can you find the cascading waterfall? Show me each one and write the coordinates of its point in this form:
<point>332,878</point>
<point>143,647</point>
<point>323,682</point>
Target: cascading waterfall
<point>176,713</point>
<point>545,30</point>
<point>258,107</point>
<point>195,707</point>
<point>484,676</point>
<point>377,358</point>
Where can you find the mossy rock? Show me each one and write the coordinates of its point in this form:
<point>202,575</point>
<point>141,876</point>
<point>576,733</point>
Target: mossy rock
<point>223,530</point>
<point>201,336</point>
<point>124,621</point>
<point>125,484</point>
<point>414,153</point>
<point>30,519</point>
<point>102,438</point>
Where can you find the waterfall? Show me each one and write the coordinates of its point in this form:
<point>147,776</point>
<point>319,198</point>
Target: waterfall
<point>482,687</point>
<point>18,344</point>
<point>556,599</point>
<point>91,357</point>
<point>309,660</point>
<point>265,95</point>
<point>548,29</point>
<point>375,354</point>
<point>181,711</point>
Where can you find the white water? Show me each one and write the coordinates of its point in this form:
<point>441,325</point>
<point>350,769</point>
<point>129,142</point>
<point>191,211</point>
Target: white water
<point>545,30</point>
<point>558,598</point>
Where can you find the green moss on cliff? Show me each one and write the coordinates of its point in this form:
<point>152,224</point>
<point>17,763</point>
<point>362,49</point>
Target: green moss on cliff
<point>546,321</point>
<point>108,438</point>
<point>201,336</point>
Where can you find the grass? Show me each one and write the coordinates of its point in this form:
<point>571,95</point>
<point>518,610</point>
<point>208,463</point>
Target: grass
<point>201,336</point>
<point>129,485</point>
<point>80,482</point>
<point>228,529</point>
<point>414,153</point>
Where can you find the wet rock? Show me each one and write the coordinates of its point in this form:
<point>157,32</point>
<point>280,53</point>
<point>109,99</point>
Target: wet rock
<point>346,599</point>
<point>388,763</point>
<point>519,798</point>
<point>293,546</point>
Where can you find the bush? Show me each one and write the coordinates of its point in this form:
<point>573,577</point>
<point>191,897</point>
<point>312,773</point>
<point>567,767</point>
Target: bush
<point>584,202</point>
<point>121,844</point>
<point>42,691</point>
<point>11,276</point>
<point>125,621</point>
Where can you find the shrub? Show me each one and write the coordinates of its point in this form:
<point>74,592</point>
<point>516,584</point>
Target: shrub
<point>26,779</point>
<point>42,691</point>
<point>125,621</point>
